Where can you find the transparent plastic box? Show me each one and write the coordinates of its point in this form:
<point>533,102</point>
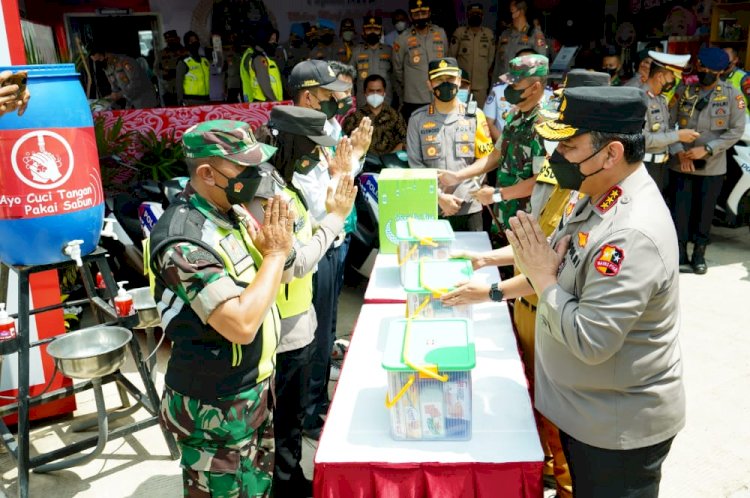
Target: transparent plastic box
<point>419,239</point>
<point>435,405</point>
<point>426,280</point>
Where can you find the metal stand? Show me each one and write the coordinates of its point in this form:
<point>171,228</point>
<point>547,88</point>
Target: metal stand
<point>19,447</point>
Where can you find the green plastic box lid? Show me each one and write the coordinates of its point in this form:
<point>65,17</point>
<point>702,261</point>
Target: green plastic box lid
<point>414,230</point>
<point>436,274</point>
<point>447,343</point>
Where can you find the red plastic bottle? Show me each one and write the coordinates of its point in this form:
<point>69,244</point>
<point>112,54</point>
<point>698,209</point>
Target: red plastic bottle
<point>7,325</point>
<point>124,302</point>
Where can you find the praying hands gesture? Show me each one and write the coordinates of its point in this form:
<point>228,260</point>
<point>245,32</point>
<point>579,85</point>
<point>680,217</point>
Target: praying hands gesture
<point>361,138</point>
<point>533,255</point>
<point>341,163</point>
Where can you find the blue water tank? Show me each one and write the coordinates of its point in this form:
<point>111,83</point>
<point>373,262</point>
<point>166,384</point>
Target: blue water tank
<point>50,184</point>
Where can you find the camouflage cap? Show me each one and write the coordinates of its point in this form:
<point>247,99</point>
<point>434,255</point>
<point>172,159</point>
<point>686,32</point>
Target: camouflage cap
<point>231,140</point>
<point>526,66</point>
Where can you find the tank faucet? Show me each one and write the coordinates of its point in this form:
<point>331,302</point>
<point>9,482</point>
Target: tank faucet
<point>73,249</point>
<point>109,228</point>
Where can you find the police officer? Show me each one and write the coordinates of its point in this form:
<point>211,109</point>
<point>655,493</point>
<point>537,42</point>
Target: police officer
<point>448,135</point>
<point>329,47</point>
<point>473,46</point>
<point>608,366</point>
<point>736,77</point>
<point>265,76</point>
<point>716,111</point>
<point>412,52</point>
<point>348,32</point>
<point>166,66</point>
<point>217,275</point>
<point>372,57</point>
<point>193,73</point>
<point>520,153</point>
<point>127,79</point>
<point>294,50</point>
<point>663,75</point>
<point>298,131</point>
<point>519,36</point>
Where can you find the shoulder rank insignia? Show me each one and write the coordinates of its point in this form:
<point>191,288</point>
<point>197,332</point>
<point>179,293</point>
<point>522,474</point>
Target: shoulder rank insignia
<point>609,261</point>
<point>609,199</point>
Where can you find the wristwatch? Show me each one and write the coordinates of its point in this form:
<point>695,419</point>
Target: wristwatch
<point>496,293</point>
<point>497,196</point>
<point>709,150</point>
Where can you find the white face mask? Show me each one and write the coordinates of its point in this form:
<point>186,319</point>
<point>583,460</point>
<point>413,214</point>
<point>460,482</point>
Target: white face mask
<point>375,99</point>
<point>348,35</point>
<point>400,26</point>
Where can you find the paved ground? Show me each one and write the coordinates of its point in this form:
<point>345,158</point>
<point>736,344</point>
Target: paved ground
<point>710,457</point>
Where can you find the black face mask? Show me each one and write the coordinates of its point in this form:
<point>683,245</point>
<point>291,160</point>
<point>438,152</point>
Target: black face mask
<point>706,78</point>
<point>610,70</point>
<point>327,39</point>
<point>242,188</point>
<point>445,91</point>
<point>193,47</point>
<point>569,174</point>
<point>513,96</point>
<point>475,21</point>
<point>312,41</point>
<point>344,105</point>
<point>328,107</point>
<point>372,38</point>
<point>421,23</point>
<point>296,42</point>
<point>271,48</point>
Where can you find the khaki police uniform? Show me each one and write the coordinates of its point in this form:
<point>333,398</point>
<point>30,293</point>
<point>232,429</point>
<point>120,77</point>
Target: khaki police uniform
<point>474,49</point>
<point>659,136</point>
<point>126,76</point>
<point>373,60</point>
<point>719,117</point>
<point>412,53</point>
<point>336,51</point>
<point>511,41</point>
<point>449,142</point>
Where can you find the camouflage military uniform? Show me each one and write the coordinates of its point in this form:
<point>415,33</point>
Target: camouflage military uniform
<point>512,41</point>
<point>522,155</point>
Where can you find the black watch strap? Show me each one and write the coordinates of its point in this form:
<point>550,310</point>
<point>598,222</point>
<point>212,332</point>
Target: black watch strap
<point>496,293</point>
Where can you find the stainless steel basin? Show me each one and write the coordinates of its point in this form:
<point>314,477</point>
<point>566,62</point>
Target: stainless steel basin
<point>145,306</point>
<point>90,353</point>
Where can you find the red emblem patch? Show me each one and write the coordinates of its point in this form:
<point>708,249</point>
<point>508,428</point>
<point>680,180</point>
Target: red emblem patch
<point>609,261</point>
<point>609,199</point>
<point>740,102</point>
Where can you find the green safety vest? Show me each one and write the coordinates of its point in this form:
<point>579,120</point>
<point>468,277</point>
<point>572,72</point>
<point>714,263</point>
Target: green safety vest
<point>274,75</point>
<point>735,79</point>
<point>238,361</point>
<point>295,297</point>
<point>196,79</point>
<point>247,75</point>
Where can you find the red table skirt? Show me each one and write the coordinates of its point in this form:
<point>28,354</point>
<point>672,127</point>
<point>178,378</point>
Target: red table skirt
<point>428,480</point>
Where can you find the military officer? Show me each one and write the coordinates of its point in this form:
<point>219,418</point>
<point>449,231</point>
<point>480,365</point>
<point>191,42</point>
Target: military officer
<point>519,36</point>
<point>473,46</point>
<point>127,79</point>
<point>663,74</point>
<point>412,51</point>
<point>520,152</point>
<point>608,364</point>
<point>166,66</point>
<point>716,111</point>
<point>448,135</point>
<point>372,57</point>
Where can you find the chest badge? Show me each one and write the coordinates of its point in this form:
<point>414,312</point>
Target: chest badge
<point>583,238</point>
<point>609,261</point>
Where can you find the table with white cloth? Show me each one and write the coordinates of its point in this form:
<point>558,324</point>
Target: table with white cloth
<point>356,455</point>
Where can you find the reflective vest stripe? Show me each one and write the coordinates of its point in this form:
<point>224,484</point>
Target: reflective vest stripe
<point>196,79</point>
<point>295,297</point>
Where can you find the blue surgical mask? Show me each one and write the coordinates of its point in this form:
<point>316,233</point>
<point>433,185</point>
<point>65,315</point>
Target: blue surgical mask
<point>463,95</point>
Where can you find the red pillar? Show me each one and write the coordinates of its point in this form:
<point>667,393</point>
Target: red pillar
<point>12,34</point>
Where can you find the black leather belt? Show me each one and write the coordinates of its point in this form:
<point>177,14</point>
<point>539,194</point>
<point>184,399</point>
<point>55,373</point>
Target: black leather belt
<point>532,307</point>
